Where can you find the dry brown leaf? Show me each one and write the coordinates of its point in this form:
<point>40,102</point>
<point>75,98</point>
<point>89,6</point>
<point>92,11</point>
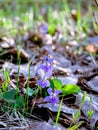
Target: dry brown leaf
<point>91,48</point>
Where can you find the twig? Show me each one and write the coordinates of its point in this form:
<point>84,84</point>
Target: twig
<point>95,18</point>
<point>96,2</point>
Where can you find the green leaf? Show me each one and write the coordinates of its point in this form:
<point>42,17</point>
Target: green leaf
<point>75,127</point>
<point>91,100</point>
<point>20,101</point>
<point>84,97</point>
<point>70,89</point>
<point>57,83</point>
<point>51,29</point>
<point>76,115</point>
<point>10,95</point>
<point>30,91</point>
<point>51,84</point>
<point>1,95</point>
<point>90,113</point>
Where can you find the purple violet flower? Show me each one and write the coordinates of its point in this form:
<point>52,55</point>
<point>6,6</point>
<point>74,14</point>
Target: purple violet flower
<point>41,71</point>
<point>47,59</point>
<point>43,29</point>
<point>50,60</point>
<point>45,71</point>
<point>43,83</point>
<point>53,96</point>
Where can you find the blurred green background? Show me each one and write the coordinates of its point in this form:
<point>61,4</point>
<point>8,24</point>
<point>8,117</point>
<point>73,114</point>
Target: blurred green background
<point>73,17</point>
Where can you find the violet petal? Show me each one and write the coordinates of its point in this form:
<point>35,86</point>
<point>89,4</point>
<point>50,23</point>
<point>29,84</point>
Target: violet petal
<point>49,90</point>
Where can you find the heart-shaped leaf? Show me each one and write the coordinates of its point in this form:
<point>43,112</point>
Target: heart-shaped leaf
<point>70,89</point>
<point>31,92</point>
<point>10,95</point>
<point>57,83</point>
<point>20,101</point>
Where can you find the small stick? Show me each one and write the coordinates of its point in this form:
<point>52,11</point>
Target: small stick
<point>96,2</point>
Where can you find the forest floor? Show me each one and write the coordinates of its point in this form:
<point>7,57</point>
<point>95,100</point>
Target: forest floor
<point>66,32</point>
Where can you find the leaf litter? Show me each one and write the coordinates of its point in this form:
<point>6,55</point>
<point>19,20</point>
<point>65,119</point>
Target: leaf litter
<point>82,72</point>
<point>74,63</point>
